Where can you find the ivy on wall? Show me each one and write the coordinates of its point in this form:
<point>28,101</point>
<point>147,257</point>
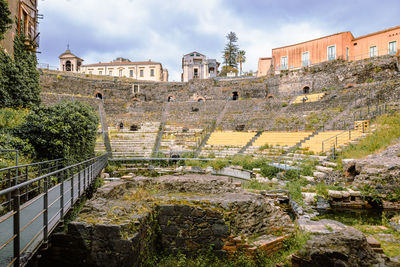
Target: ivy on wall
<point>5,20</point>
<point>19,77</point>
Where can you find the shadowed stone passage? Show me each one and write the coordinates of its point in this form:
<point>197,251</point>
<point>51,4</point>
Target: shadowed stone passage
<point>129,220</point>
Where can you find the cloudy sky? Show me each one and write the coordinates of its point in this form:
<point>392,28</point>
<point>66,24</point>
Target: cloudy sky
<point>165,30</point>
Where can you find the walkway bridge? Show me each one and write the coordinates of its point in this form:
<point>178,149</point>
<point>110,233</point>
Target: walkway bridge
<point>34,198</point>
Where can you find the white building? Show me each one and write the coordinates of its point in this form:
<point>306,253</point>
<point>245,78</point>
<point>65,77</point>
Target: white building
<point>198,66</point>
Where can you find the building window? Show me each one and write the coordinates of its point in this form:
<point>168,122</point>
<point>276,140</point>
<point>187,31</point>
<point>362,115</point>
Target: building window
<point>392,48</point>
<point>195,73</point>
<point>141,73</point>
<point>284,63</point>
<point>120,73</point>
<point>373,51</point>
<point>100,72</point>
<point>152,72</point>
<point>305,59</point>
<point>131,73</point>
<point>332,52</point>
<point>347,54</point>
<point>110,73</point>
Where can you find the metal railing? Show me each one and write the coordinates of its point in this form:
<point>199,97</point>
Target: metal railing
<point>15,175</point>
<point>336,140</point>
<point>27,226</point>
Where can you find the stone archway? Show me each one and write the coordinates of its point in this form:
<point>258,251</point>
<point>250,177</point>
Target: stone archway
<point>235,96</point>
<point>306,89</point>
<point>171,98</point>
<point>99,95</point>
<point>68,66</point>
<point>201,99</point>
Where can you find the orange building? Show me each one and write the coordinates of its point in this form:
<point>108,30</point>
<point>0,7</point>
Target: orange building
<point>336,46</point>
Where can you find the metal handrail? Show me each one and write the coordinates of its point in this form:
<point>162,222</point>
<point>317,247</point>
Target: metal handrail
<point>30,165</point>
<point>33,221</point>
<point>15,187</point>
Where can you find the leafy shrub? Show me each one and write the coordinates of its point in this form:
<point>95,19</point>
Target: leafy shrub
<point>12,118</point>
<point>291,175</point>
<point>294,188</point>
<point>64,130</point>
<point>269,171</point>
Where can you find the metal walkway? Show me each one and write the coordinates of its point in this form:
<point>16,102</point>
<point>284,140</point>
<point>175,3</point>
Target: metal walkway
<point>38,205</point>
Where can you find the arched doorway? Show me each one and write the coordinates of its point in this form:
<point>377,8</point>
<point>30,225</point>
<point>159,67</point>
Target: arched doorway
<point>99,96</point>
<point>306,89</point>
<point>68,66</point>
<point>201,99</point>
<point>235,96</point>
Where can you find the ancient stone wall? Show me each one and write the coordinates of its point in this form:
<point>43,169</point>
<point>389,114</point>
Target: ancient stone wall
<point>189,228</point>
<point>334,74</point>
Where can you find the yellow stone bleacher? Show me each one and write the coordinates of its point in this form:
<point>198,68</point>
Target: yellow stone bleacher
<point>228,138</point>
<point>330,138</point>
<point>280,138</point>
<point>310,98</point>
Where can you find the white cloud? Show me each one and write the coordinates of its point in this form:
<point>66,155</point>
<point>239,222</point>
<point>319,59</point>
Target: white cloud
<point>160,30</point>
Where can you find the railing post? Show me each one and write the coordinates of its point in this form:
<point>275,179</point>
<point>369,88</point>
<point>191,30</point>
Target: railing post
<point>336,140</point>
<point>62,195</point>
<point>9,185</point>
<point>26,187</point>
<point>72,187</point>
<point>46,210</point>
<point>322,146</point>
<point>16,227</point>
<point>79,180</point>
<point>84,176</point>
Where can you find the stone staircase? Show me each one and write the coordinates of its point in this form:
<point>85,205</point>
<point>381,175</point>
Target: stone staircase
<point>213,127</point>
<point>250,143</point>
<point>139,143</point>
<point>179,139</point>
<point>164,117</point>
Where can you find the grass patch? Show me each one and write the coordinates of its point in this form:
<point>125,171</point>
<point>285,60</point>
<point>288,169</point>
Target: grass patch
<point>388,130</point>
<point>294,188</point>
<point>256,185</point>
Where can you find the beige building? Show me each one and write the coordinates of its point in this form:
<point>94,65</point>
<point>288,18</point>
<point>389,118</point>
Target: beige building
<point>264,65</point>
<point>121,67</point>
<point>24,14</point>
<point>69,62</point>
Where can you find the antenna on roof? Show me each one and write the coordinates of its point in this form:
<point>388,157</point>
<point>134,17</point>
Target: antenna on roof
<point>68,46</point>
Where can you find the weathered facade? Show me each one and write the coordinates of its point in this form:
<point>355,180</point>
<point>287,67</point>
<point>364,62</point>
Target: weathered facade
<point>121,67</point>
<point>198,66</point>
<point>336,46</point>
<point>264,65</point>
<point>24,14</point>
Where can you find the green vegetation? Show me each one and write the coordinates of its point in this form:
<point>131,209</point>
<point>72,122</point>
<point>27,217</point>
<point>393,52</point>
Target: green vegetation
<point>294,188</point>
<point>256,185</point>
<point>64,130</point>
<point>387,131</point>
<point>206,258</point>
<point>5,20</point>
<point>19,78</point>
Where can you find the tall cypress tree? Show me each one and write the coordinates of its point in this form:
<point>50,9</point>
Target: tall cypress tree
<point>231,50</point>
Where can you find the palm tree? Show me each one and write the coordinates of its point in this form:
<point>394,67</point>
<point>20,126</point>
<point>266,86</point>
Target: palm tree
<point>241,58</point>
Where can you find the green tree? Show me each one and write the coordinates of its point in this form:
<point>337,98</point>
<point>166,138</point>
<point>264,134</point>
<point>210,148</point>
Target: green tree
<point>231,50</point>
<point>241,58</point>
<point>5,20</point>
<point>64,130</point>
